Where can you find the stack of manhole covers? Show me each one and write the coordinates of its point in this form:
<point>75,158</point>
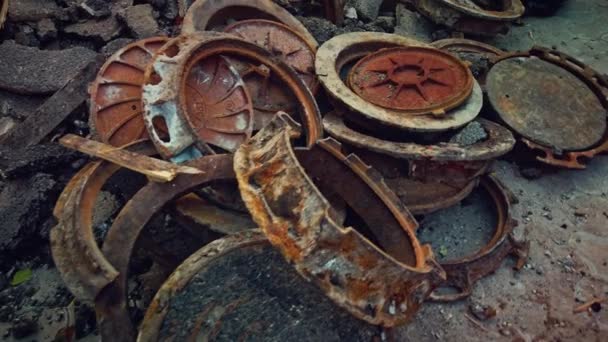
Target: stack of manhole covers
<point>555,103</point>
<point>233,101</point>
<point>476,17</point>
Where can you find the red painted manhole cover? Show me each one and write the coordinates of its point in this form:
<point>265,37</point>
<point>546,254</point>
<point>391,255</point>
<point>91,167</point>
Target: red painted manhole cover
<point>414,80</point>
<point>219,109</point>
<point>116,111</point>
<point>285,43</point>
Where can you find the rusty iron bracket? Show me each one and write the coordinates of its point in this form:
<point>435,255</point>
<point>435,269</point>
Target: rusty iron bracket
<point>157,170</point>
<point>354,272</point>
<point>335,54</point>
<point>464,272</point>
<point>596,82</point>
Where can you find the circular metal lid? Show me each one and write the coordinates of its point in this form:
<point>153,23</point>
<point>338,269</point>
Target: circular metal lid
<point>283,42</point>
<point>546,103</point>
<point>218,106</point>
<point>412,79</point>
<point>116,110</point>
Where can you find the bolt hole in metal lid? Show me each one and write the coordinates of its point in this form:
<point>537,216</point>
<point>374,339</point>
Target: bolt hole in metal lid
<point>546,103</point>
<point>414,80</point>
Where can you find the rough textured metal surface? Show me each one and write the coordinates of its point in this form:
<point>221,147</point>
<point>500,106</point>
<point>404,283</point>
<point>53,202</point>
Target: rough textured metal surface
<point>352,271</point>
<point>116,110</point>
<point>164,100</point>
<point>156,169</point>
<point>341,50</point>
<point>499,142</point>
<point>564,117</point>
<point>468,17</point>
<point>478,54</point>
<point>111,302</point>
<point>218,107</point>
<point>446,184</point>
<point>261,298</point>
<point>414,80</point>
<point>267,90</point>
<point>205,15</point>
<point>79,260</point>
<point>464,272</point>
<point>284,42</point>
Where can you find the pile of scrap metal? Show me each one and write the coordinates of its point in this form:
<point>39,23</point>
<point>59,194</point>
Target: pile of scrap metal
<point>230,106</point>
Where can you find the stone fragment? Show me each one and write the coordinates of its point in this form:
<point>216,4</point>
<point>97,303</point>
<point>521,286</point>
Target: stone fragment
<point>24,204</point>
<point>367,10</point>
<point>115,45</point>
<point>25,36</point>
<point>412,24</point>
<point>28,70</point>
<point>33,159</point>
<point>46,30</point>
<point>96,8</point>
<point>32,10</point>
<point>140,20</point>
<point>18,106</point>
<point>470,134</point>
<point>104,29</point>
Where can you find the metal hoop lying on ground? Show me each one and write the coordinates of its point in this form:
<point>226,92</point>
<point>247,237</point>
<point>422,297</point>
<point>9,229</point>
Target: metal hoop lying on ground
<point>464,272</point>
<point>371,283</point>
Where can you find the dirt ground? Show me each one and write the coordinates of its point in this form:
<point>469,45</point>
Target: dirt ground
<point>564,215</point>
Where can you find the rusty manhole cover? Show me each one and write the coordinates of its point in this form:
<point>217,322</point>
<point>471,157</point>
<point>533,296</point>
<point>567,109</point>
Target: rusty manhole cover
<point>116,110</point>
<point>546,103</point>
<point>283,42</point>
<point>218,106</point>
<point>412,79</point>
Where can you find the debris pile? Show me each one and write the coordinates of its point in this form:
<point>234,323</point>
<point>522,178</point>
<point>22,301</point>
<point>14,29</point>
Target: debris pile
<point>310,171</point>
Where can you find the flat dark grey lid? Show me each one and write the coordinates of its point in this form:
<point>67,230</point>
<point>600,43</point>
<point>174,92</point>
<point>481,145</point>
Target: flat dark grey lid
<point>546,103</point>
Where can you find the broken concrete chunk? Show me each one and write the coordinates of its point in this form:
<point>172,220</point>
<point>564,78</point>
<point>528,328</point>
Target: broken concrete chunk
<point>33,159</point>
<point>367,10</point>
<point>24,204</point>
<point>96,8</point>
<point>140,20</point>
<point>46,30</point>
<point>18,106</point>
<point>412,24</point>
<point>115,45</point>
<point>25,36</point>
<point>32,10</point>
<point>104,29</point>
<point>28,70</point>
<point>470,134</point>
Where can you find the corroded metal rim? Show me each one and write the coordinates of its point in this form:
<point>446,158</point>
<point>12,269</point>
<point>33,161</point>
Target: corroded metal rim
<point>422,59</point>
<point>464,272</point>
<point>295,217</point>
<point>202,13</point>
<point>271,45</point>
<point>334,54</point>
<point>164,76</point>
<point>124,72</point>
<point>499,142</point>
<point>111,302</point>
<point>515,11</point>
<point>467,45</point>
<point>422,208</point>
<point>596,82</point>
<point>197,262</point>
<point>79,260</point>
